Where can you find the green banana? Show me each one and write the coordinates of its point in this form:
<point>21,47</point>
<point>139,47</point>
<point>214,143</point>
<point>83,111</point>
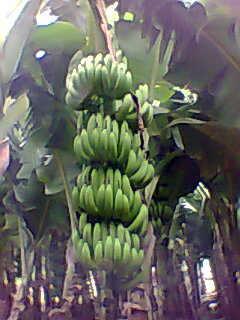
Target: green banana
<point>127,190</point>
<point>117,250</point>
<point>136,142</point>
<point>98,59</point>
<point>97,234</point>
<point>101,176</point>
<point>95,141</point>
<point>112,230</point>
<point>112,147</point>
<point>121,233</point>
<point>131,163</point>
<point>118,205</point>
<point>86,145</point>
<point>113,74</point>
<point>148,176</point>
<point>143,228</point>
<point>126,253</point>
<point>101,200</point>
<point>105,81</point>
<point>75,238</point>
<point>98,80</point>
<point>138,221</point>
<point>127,237</point>
<point>98,253</point>
<point>78,149</point>
<point>86,256</point>
<point>82,222</point>
<point>124,108</point>
<point>108,204</point>
<point>108,61</point>
<point>123,130</point>
<point>79,250</point>
<point>104,231</point>
<point>109,176</point>
<point>103,145</point>
<point>87,234</point>
<point>95,182</point>
<point>117,181</point>
<point>115,130</point>
<point>135,241</point>
<point>126,147</point>
<point>100,121</point>
<point>140,174</point>
<point>137,203</point>
<point>89,67</point>
<point>91,206</point>
<point>82,195</point>
<point>125,209</point>
<point>108,248</point>
<point>75,197</point>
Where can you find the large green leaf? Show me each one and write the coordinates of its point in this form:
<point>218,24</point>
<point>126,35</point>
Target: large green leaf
<point>141,63</point>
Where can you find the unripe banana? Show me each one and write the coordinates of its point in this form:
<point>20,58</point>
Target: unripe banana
<point>148,176</point>
<point>104,231</point>
<point>108,204</point>
<point>138,221</point>
<point>86,256</point>
<point>126,147</point>
<point>115,129</point>
<point>75,238</point>
<point>117,181</point>
<point>87,234</point>
<point>140,174</point>
<point>135,241</point>
<point>126,253</point>
<point>108,249</point>
<point>121,233</point>
<point>117,250</point>
<point>75,197</point>
<point>82,197</point>
<point>97,234</point>
<point>118,205</point>
<point>127,237</point>
<point>112,148</point>
<point>101,200</point>
<point>112,230</point>
<point>86,145</point>
<point>91,206</point>
<point>131,163</point>
<point>98,253</point>
<point>125,209</point>
<point>78,149</point>
<point>79,250</point>
<point>82,222</point>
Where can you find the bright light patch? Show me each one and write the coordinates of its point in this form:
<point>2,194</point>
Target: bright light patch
<point>40,54</point>
<point>45,18</point>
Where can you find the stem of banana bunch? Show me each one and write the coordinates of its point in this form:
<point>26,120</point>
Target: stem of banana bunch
<point>73,218</point>
<point>100,10</point>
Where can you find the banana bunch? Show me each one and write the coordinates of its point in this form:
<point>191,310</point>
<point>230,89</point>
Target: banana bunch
<point>126,109</point>
<point>110,247</point>
<point>98,75</point>
<point>160,213</point>
<point>104,140</point>
<point>107,194</point>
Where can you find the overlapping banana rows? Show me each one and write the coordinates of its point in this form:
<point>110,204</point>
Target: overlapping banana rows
<point>105,140</point>
<point>98,75</point>
<point>111,247</point>
<point>126,109</point>
<point>160,214</point>
<point>106,194</point>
